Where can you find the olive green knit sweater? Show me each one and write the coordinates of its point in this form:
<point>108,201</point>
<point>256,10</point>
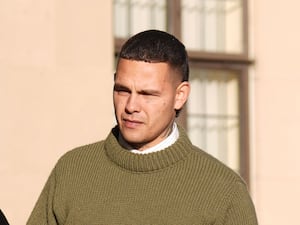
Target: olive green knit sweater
<point>103,183</point>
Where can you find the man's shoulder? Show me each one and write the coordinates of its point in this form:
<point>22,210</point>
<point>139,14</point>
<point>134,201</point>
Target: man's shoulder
<point>83,153</point>
<point>215,168</point>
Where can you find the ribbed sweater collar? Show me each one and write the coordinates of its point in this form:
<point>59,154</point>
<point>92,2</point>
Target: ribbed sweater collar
<point>148,162</point>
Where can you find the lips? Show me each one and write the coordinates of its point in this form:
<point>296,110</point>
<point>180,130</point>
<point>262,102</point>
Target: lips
<point>131,123</point>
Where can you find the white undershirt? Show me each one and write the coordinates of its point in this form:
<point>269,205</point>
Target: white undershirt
<point>171,139</point>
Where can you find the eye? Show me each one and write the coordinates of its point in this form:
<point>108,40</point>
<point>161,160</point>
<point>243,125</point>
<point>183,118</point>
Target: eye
<point>150,93</point>
<point>121,90</point>
<point>146,93</point>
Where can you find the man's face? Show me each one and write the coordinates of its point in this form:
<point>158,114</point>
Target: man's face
<point>145,98</point>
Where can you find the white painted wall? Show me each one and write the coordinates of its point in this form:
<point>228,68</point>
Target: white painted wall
<point>56,66</point>
<point>275,36</point>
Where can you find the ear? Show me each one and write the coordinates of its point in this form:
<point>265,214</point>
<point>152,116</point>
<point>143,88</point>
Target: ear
<point>182,94</point>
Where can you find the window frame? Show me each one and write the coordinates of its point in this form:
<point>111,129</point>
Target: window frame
<point>210,60</point>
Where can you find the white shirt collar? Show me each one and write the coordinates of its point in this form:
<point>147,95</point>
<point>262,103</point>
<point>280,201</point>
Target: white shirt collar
<point>171,139</point>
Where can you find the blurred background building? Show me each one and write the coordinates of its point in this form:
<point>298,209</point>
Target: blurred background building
<point>57,61</point>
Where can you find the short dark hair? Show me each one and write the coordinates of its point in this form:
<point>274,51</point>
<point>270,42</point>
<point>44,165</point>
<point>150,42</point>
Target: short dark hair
<point>157,46</point>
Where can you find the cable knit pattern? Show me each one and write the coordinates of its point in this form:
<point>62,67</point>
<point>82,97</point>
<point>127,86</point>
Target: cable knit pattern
<point>102,183</point>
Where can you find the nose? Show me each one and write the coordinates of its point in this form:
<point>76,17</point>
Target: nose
<point>133,104</point>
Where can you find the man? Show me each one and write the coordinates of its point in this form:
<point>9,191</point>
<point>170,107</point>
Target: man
<point>146,171</point>
<point>3,220</point>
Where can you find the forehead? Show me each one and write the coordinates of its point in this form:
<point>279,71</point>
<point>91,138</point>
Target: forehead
<point>143,72</point>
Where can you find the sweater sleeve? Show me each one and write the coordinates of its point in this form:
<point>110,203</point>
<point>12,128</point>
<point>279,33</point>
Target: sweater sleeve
<point>241,211</point>
<point>42,213</point>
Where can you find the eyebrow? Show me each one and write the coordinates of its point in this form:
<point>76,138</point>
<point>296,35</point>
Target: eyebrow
<point>120,87</point>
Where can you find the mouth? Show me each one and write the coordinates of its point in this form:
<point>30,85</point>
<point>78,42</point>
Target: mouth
<point>130,123</point>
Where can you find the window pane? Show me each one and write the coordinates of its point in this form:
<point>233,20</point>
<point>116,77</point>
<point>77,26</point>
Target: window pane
<point>133,16</point>
<point>213,114</point>
<point>213,25</point>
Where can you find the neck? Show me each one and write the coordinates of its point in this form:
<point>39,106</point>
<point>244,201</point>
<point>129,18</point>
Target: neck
<point>147,162</point>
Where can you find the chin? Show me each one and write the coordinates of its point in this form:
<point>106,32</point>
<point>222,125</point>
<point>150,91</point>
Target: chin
<point>132,138</point>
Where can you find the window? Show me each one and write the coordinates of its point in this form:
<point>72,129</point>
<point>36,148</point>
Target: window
<point>133,16</point>
<point>215,35</point>
<point>213,113</point>
<point>213,25</point>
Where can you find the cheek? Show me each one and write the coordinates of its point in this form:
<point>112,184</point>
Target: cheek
<point>168,104</point>
<point>118,99</point>
<point>114,98</point>
<point>117,104</point>
<point>160,110</point>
